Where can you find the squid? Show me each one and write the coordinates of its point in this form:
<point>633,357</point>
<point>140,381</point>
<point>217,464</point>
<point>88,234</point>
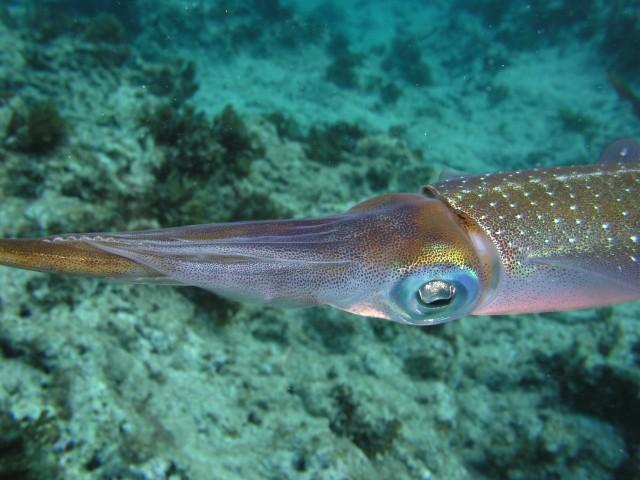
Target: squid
<point>546,239</point>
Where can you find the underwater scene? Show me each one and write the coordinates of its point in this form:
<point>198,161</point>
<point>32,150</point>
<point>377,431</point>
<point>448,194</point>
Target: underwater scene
<point>144,114</point>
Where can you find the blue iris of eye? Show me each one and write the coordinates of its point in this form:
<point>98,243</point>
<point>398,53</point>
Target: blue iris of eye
<point>434,296</point>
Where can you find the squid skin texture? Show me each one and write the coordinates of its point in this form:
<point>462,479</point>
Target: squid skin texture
<point>526,241</point>
<point>566,237</point>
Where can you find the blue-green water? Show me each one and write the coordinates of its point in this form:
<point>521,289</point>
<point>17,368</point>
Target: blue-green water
<point>151,113</point>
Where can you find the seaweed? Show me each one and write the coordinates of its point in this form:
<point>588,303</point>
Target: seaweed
<point>105,28</point>
<point>490,11</point>
<point>297,31</point>
<point>338,44</point>
<point>496,94</point>
<point>107,38</point>
<point>168,123</point>
<point>272,10</point>
<point>389,93</point>
<point>27,180</point>
<point>193,150</point>
<point>286,126</point>
<point>5,16</point>
<point>36,58</point>
<point>262,25</point>
<point>371,436</point>
<point>257,206</point>
<point>275,329</point>
<point>534,24</point>
<point>622,37</point>
<point>25,447</point>
<point>44,22</point>
<point>126,11</point>
<point>555,19</point>
<point>574,121</point>
<point>341,71</point>
<point>175,80</point>
<point>335,334</point>
<point>405,57</point>
<point>240,147</point>
<point>8,89</point>
<point>332,144</point>
<point>601,390</point>
<point>428,364</point>
<point>203,145</point>
<point>198,154</point>
<point>38,130</point>
<point>182,199</point>
<point>191,157</point>
<point>625,92</point>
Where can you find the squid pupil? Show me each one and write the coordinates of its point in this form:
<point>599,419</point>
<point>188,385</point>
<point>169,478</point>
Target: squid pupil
<point>436,293</point>
<point>439,303</point>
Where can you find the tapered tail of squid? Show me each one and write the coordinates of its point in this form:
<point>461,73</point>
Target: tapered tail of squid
<point>65,255</point>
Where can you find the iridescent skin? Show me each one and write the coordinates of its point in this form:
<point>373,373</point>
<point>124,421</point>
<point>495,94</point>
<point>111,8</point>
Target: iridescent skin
<point>529,241</point>
<point>567,237</point>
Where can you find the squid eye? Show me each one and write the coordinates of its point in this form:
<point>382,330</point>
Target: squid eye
<point>436,293</point>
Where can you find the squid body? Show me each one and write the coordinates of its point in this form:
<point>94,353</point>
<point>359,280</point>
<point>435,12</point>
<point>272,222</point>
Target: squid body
<point>527,241</point>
